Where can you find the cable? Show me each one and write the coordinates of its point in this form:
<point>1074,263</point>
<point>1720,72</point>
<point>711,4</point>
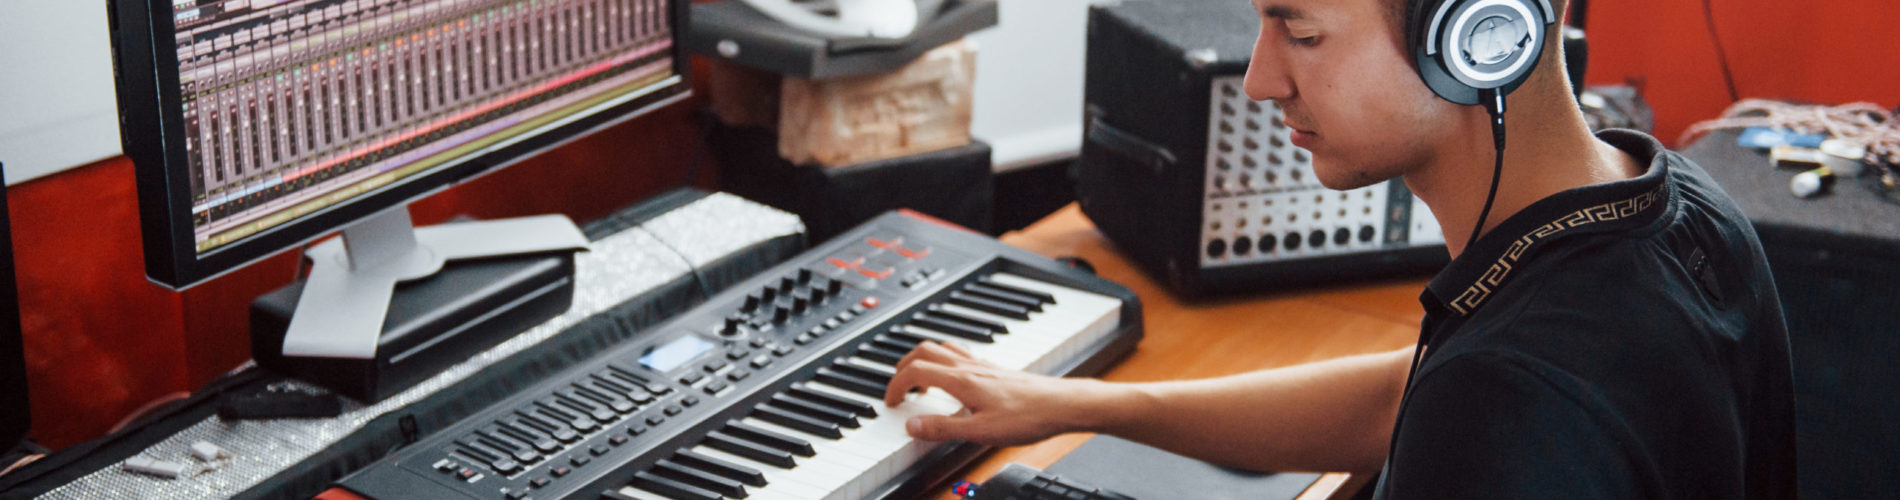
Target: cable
<point>1494,105</point>
<point>1721,55</point>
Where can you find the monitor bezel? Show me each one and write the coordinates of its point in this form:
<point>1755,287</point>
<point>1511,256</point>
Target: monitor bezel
<point>149,97</point>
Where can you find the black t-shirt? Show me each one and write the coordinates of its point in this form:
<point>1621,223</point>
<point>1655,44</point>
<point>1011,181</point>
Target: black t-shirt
<point>1622,340</point>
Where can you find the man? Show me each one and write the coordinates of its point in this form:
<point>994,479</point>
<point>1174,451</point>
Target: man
<point>1613,333</point>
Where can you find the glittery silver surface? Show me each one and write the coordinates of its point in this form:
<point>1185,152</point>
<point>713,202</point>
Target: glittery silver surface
<point>614,269</point>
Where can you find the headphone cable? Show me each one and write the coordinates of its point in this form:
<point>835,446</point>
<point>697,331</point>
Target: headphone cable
<point>1494,105</point>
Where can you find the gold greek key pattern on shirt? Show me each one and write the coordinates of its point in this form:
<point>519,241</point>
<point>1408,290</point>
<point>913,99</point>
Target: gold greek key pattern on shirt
<point>1493,277</point>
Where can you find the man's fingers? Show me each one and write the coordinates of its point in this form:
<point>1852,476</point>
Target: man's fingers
<point>924,374</point>
<point>934,352</point>
<point>960,350</point>
<point>938,427</point>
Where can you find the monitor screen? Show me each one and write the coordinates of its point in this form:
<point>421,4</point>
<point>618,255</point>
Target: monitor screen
<point>256,125</point>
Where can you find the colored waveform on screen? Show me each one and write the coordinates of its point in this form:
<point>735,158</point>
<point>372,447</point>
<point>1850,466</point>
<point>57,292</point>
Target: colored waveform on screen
<point>291,106</point>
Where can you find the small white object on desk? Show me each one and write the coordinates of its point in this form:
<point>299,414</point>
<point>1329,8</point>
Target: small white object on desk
<point>154,467</point>
<point>204,451</point>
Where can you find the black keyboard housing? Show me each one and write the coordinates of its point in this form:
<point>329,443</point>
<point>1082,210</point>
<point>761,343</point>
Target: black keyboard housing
<point>439,466</point>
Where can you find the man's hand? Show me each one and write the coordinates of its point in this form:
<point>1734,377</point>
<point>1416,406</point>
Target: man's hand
<point>1003,407</point>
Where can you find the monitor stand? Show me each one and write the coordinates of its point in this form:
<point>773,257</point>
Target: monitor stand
<point>352,279</point>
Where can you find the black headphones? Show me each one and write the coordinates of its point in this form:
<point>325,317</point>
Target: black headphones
<point>1465,47</point>
<point>1474,52</point>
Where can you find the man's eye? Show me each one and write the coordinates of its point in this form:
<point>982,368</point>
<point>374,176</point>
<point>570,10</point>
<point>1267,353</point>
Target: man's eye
<point>1308,41</point>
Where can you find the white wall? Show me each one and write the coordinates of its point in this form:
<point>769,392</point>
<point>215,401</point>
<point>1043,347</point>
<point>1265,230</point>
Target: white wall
<point>57,108</point>
<point>1029,71</point>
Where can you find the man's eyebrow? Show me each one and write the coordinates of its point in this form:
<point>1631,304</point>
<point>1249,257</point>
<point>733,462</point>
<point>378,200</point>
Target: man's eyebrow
<point>1283,12</point>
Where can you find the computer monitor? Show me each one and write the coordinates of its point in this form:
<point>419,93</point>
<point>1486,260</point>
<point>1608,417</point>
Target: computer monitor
<point>256,126</point>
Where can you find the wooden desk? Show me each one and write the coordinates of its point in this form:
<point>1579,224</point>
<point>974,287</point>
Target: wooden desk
<point>1214,338</point>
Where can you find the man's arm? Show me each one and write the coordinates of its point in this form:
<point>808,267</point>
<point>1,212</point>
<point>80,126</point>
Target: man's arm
<point>1332,415</point>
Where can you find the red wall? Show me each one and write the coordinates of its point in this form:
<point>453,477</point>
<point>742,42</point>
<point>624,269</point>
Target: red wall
<point>101,341</point>
<point>1831,52</point>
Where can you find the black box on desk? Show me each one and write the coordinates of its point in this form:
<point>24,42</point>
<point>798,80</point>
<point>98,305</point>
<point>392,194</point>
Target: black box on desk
<point>953,184</point>
<point>433,322</point>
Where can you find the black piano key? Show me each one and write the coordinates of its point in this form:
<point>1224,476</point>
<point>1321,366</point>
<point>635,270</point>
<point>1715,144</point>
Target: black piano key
<point>879,354</point>
<point>948,327</point>
<point>980,290</point>
<point>840,417</point>
<point>769,456</point>
<point>987,305</point>
<point>671,489</point>
<point>878,377</point>
<point>841,380</point>
<point>793,444</point>
<point>901,336</point>
<point>729,470</point>
<point>801,423</point>
<point>832,400</point>
<point>969,320</point>
<point>891,344</point>
<point>1045,298</point>
<point>706,480</point>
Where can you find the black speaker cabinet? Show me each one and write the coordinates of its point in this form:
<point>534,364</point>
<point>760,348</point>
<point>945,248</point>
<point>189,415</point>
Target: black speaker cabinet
<point>1201,186</point>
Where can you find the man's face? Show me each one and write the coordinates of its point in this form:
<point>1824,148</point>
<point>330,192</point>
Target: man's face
<point>1339,70</point>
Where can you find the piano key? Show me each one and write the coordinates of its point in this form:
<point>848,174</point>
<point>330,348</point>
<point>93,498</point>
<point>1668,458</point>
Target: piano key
<point>793,420</point>
<point>797,446</point>
<point>985,304</point>
<point>839,379</point>
<point>777,479</point>
<point>851,366</point>
<point>952,328</point>
<point>702,479</point>
<point>1015,286</point>
<point>729,470</point>
<point>985,291</point>
<point>857,407</point>
<point>842,418</point>
<point>671,489</point>
<point>880,354</point>
<point>906,336</point>
<point>940,312</point>
<point>629,493</point>
<point>758,452</point>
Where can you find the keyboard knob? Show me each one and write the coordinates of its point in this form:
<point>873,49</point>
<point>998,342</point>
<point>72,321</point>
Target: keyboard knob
<point>768,296</point>
<point>786,284</point>
<point>816,295</point>
<point>779,315</point>
<point>751,304</point>
<point>731,328</point>
<point>804,276</point>
<point>799,304</point>
<point>834,287</point>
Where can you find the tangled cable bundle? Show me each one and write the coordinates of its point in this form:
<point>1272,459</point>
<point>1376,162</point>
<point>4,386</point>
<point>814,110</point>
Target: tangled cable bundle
<point>1861,122</point>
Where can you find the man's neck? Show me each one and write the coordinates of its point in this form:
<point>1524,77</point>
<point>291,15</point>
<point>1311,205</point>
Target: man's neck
<point>1549,149</point>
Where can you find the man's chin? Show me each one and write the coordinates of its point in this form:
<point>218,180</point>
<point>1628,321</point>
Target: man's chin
<point>1340,177</point>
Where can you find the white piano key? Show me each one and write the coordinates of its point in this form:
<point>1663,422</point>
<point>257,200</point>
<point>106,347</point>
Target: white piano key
<point>776,479</point>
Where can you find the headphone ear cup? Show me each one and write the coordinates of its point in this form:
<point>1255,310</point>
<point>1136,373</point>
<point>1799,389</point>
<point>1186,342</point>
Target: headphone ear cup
<point>1463,47</point>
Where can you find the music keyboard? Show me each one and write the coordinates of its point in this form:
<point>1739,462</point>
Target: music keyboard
<point>773,389</point>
